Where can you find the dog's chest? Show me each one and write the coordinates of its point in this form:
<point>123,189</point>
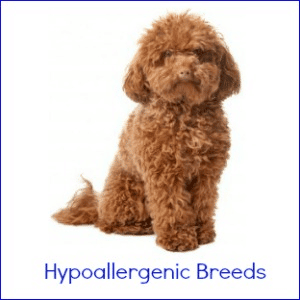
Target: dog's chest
<point>192,139</point>
<point>198,142</point>
<point>189,142</point>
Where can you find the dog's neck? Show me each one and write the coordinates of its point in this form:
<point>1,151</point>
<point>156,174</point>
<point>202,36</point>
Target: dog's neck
<point>184,106</point>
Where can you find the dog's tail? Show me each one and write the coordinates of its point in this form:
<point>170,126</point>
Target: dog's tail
<point>82,209</point>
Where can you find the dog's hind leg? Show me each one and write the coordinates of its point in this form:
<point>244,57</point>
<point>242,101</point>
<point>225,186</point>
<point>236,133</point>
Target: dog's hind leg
<point>122,207</point>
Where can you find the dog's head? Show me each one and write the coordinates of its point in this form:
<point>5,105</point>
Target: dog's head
<point>182,56</point>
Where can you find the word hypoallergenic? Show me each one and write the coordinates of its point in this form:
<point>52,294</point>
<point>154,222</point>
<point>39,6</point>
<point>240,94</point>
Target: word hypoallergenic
<point>144,275</point>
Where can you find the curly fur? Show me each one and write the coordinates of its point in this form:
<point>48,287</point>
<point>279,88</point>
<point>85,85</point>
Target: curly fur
<point>175,144</point>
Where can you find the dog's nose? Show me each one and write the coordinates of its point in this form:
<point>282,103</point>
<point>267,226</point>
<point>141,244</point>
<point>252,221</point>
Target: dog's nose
<point>185,74</point>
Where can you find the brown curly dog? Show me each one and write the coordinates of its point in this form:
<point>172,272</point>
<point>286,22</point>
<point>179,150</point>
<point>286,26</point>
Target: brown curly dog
<point>175,144</point>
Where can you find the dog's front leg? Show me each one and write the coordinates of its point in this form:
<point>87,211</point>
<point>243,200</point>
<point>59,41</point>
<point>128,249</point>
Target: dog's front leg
<point>174,220</point>
<point>204,196</point>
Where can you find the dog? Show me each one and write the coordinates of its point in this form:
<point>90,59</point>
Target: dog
<point>175,144</point>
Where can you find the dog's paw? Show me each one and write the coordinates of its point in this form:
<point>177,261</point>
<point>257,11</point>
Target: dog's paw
<point>206,236</point>
<point>179,240</point>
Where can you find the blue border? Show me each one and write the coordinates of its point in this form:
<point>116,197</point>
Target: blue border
<point>1,95</point>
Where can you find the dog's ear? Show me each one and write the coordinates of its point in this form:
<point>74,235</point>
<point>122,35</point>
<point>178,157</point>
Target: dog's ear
<point>230,81</point>
<point>135,84</point>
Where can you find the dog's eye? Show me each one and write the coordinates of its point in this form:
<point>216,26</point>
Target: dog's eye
<point>207,57</point>
<point>198,51</point>
<point>204,56</point>
<point>167,53</point>
<point>161,60</point>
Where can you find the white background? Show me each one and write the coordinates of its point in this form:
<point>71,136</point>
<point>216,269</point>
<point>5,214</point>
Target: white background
<point>62,112</point>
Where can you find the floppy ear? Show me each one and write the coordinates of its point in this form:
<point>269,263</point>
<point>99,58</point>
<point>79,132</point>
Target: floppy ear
<point>230,81</point>
<point>135,84</point>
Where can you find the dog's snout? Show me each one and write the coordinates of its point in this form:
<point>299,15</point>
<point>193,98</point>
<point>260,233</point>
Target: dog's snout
<point>185,74</point>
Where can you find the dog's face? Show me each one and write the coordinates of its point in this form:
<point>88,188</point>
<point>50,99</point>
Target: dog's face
<point>182,57</point>
<point>190,74</point>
